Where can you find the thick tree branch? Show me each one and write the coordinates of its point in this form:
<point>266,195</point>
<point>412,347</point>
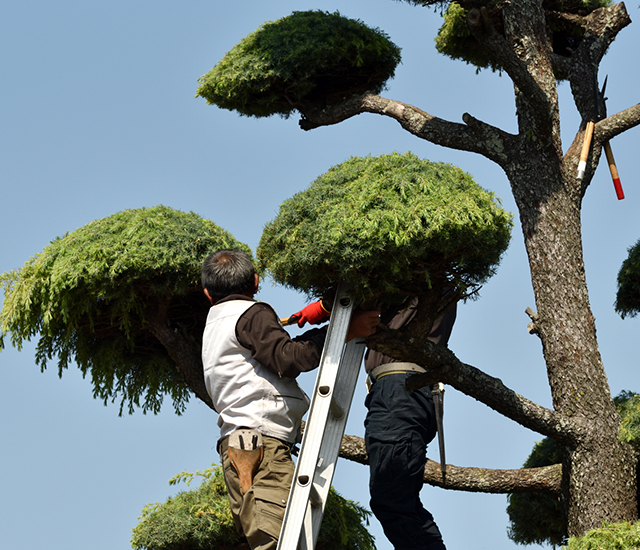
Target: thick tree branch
<point>561,65</point>
<point>604,131</point>
<point>614,125</point>
<point>475,137</point>
<point>602,27</point>
<point>477,480</point>
<point>182,349</point>
<point>444,366</point>
<point>484,480</point>
<point>499,48</point>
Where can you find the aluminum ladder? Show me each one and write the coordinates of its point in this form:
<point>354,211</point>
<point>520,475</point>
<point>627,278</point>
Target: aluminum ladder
<point>330,404</point>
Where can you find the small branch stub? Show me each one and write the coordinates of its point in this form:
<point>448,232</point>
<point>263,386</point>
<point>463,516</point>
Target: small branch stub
<point>532,327</point>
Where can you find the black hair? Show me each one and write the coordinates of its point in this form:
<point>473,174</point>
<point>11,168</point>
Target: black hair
<point>228,272</point>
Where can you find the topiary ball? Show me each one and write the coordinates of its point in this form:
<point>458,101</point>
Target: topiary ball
<point>564,34</point>
<point>389,225</point>
<point>628,295</point>
<point>89,295</point>
<point>306,58</point>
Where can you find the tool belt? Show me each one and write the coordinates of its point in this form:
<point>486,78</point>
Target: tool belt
<point>391,368</point>
<point>246,451</point>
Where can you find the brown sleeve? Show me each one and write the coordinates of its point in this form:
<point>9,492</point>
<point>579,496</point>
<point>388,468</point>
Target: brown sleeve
<point>440,333</point>
<point>260,331</point>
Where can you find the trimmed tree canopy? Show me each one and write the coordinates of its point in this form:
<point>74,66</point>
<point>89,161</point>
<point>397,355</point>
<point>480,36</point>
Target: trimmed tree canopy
<point>611,536</point>
<point>388,225</point>
<point>303,59</point>
<point>564,33</point>
<point>91,296</point>
<point>540,518</point>
<point>628,296</point>
<point>200,519</point>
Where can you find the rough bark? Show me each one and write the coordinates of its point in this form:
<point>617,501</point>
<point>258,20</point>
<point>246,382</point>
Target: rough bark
<point>181,347</point>
<point>445,367</point>
<point>598,476</point>
<point>599,472</point>
<point>478,480</point>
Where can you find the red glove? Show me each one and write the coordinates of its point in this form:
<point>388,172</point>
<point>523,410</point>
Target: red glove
<point>314,314</point>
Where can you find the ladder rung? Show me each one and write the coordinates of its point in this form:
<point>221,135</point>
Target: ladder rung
<point>335,386</point>
<point>315,498</point>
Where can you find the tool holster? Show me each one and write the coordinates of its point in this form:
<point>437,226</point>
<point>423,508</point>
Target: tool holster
<point>246,451</point>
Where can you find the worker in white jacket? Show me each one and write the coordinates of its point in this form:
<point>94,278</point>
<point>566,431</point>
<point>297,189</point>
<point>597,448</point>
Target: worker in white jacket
<point>250,368</point>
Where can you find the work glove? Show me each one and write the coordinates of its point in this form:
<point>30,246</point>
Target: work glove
<point>314,314</point>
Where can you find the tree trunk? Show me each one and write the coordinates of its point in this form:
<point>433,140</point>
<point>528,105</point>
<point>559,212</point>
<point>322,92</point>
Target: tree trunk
<point>599,472</point>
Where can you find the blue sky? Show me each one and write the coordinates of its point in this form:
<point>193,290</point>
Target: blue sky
<point>99,115</point>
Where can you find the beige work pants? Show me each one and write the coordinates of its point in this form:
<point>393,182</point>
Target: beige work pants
<point>258,514</point>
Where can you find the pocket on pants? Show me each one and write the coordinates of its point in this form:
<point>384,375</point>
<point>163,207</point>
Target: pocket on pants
<point>270,504</point>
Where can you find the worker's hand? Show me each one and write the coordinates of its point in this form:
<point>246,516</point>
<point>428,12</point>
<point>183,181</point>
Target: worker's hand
<point>363,324</point>
<point>314,314</point>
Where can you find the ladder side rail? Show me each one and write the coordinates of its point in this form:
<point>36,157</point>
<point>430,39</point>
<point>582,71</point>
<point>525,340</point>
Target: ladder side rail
<point>319,412</point>
<point>344,390</point>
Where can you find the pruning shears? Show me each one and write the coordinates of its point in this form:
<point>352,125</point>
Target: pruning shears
<point>601,113</point>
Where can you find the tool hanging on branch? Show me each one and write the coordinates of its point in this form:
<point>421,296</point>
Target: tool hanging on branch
<point>438,401</point>
<point>601,113</point>
<point>586,145</point>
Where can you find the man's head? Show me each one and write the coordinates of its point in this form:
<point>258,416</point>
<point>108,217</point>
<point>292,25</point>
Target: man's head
<point>228,272</point>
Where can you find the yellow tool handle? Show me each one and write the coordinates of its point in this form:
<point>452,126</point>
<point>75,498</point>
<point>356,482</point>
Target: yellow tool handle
<point>586,145</point>
<point>289,320</point>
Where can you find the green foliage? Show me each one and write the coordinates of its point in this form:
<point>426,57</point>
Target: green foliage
<point>455,40</point>
<point>611,536</point>
<point>198,519</point>
<point>392,224</point>
<point>201,519</point>
<point>628,296</point>
<point>306,58</point>
<point>89,296</point>
<point>628,405</point>
<point>427,2</point>
<point>538,518</point>
<point>344,525</point>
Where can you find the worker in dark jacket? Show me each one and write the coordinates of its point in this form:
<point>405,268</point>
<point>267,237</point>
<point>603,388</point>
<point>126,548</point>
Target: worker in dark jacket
<point>398,427</point>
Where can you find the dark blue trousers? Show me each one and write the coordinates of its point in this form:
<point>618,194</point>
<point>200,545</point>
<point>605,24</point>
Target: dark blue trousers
<point>398,427</point>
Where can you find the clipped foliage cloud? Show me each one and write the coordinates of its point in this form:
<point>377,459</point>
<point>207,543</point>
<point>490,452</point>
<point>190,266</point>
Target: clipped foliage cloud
<point>540,518</point>
<point>306,58</point>
<point>611,536</point>
<point>456,41</point>
<point>87,296</point>
<point>200,519</point>
<point>628,295</point>
<point>387,225</point>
